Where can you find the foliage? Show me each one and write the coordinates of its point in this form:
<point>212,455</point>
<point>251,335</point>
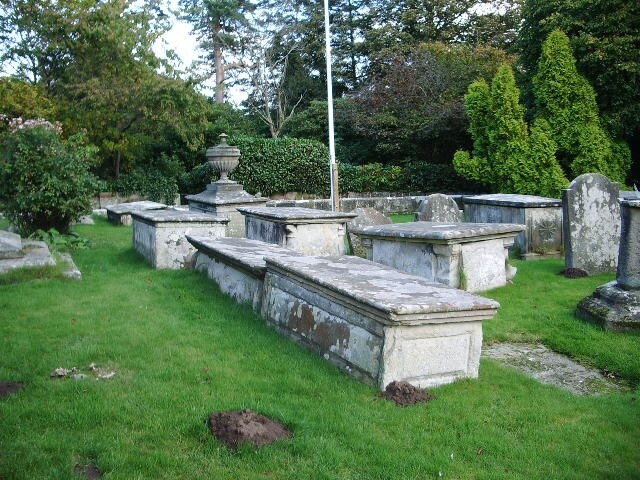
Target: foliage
<point>279,165</point>
<point>60,241</point>
<point>371,177</point>
<point>605,36</point>
<point>157,182</point>
<point>438,178</point>
<point>506,156</point>
<point>20,99</point>
<point>412,108</point>
<point>44,181</point>
<point>566,100</point>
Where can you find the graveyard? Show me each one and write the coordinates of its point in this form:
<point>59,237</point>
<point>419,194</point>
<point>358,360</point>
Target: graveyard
<point>180,349</point>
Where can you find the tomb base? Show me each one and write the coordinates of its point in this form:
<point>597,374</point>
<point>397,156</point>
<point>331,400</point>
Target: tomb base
<point>612,307</point>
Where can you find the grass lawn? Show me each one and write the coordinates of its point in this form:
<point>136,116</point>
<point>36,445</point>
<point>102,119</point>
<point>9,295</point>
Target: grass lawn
<point>183,350</point>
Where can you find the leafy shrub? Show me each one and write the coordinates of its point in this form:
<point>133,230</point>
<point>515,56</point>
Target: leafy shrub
<point>438,178</point>
<point>61,241</point>
<point>371,177</point>
<point>157,182</point>
<point>44,181</point>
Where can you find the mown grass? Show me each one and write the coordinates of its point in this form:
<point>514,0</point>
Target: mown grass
<point>183,350</point>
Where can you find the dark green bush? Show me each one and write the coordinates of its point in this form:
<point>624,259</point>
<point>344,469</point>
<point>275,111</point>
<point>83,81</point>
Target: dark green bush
<point>44,181</point>
<point>157,182</point>
<point>438,178</point>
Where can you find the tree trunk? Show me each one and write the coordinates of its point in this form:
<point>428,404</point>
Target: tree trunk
<point>219,66</point>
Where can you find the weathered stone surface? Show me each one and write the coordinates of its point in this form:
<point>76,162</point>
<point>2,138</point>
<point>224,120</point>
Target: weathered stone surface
<point>471,256</point>
<point>591,223</point>
<point>237,265</point>
<point>120,214</point>
<point>612,307</point>
<point>629,252</point>
<point>551,368</point>
<point>542,217</point>
<point>10,245</point>
<point>36,254</point>
<point>160,235</point>
<point>366,216</point>
<point>223,200</point>
<point>305,230</point>
<point>438,208</point>
<point>71,270</point>
<point>375,322</point>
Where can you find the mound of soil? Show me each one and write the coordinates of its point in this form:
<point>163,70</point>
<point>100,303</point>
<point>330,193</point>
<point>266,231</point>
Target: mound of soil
<point>246,426</point>
<point>7,388</point>
<point>403,393</point>
<point>574,273</point>
<point>90,471</point>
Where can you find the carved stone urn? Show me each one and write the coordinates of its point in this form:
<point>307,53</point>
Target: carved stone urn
<point>223,158</point>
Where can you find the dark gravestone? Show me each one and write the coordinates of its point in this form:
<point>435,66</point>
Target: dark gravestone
<point>591,223</point>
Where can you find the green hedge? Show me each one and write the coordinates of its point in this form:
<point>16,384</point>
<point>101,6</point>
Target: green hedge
<point>282,165</point>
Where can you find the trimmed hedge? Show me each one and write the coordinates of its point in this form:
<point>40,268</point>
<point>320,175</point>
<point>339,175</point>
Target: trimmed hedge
<point>283,165</point>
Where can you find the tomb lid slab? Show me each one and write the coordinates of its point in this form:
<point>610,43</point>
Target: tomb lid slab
<point>513,200</point>
<point>125,208</point>
<point>398,297</point>
<point>441,232</point>
<point>246,253</point>
<point>294,215</point>
<point>154,217</point>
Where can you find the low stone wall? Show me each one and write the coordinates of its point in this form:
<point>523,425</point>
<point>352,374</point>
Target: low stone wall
<point>385,205</point>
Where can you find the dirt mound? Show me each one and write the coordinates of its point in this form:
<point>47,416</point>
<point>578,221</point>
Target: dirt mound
<point>574,273</point>
<point>403,393</point>
<point>90,471</point>
<point>7,388</point>
<point>246,426</point>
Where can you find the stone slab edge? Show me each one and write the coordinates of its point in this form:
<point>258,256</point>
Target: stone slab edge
<point>511,200</point>
<point>156,217</point>
<point>294,215</point>
<point>423,307</point>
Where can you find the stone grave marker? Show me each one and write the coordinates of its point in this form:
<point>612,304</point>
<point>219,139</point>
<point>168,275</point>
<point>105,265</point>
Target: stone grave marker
<point>366,217</point>
<point>438,208</point>
<point>591,223</point>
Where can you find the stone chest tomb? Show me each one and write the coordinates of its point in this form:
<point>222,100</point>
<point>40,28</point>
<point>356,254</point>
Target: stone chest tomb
<point>305,230</point>
<point>375,322</point>
<point>541,216</point>
<point>470,256</point>
<point>160,235</point>
<point>120,214</point>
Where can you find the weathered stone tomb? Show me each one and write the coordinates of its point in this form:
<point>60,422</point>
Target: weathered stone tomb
<point>541,216</point>
<point>305,230</point>
<point>470,256</point>
<point>120,214</point>
<point>237,265</point>
<point>375,322</point>
<point>160,235</point>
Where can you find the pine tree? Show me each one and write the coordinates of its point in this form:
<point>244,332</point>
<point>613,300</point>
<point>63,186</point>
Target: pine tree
<point>566,100</point>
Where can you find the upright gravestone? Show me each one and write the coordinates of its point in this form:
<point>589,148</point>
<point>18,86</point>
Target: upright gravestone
<point>591,223</point>
<point>366,217</point>
<point>438,208</point>
<point>616,305</point>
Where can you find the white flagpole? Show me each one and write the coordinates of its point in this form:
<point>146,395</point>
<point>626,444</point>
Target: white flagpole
<point>333,171</point>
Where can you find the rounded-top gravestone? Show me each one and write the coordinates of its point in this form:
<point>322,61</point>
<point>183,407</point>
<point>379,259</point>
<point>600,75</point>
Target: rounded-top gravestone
<point>438,208</point>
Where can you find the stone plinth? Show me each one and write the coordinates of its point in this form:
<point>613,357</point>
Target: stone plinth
<point>470,256</point>
<point>629,252</point>
<point>375,322</point>
<point>616,305</point>
<point>222,199</point>
<point>237,265</point>
<point>591,223</point>
<point>542,217</point>
<point>160,235</point>
<point>305,230</point>
<point>120,214</point>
